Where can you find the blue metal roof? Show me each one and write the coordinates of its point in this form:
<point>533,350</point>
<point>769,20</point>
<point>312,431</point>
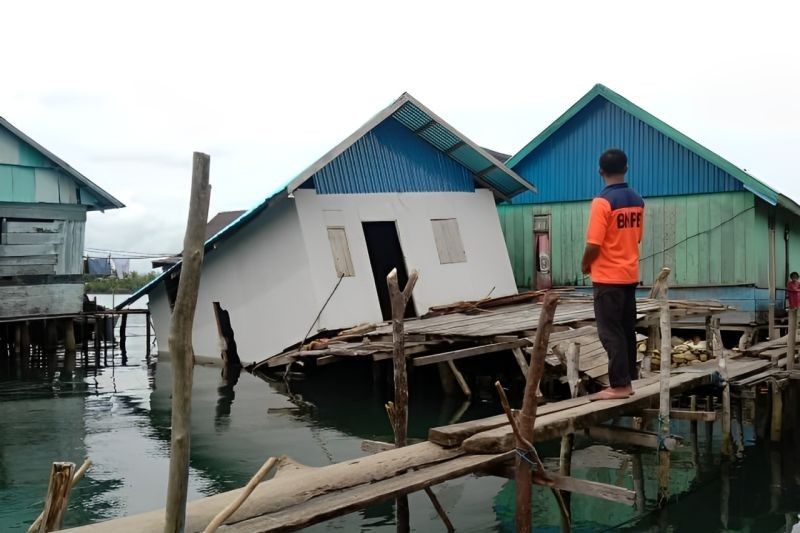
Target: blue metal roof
<point>663,161</point>
<point>565,164</point>
<point>390,158</point>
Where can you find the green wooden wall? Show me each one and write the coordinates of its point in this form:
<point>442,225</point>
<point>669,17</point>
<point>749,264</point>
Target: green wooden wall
<point>707,239</point>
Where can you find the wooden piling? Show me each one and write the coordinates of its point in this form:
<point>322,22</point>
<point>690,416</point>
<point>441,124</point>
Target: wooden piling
<point>147,334</point>
<point>399,300</point>
<point>637,471</point>
<point>85,339</point>
<point>97,319</point>
<point>527,415</point>
<point>123,342</point>
<point>792,340</point>
<point>70,349</point>
<point>776,419</point>
<point>665,326</point>
<point>180,344</point>
<point>568,441</point>
<point>722,359</point>
<point>773,332</point>
<point>55,503</point>
<point>25,344</point>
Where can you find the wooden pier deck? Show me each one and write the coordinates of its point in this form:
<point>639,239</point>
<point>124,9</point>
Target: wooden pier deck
<point>299,496</point>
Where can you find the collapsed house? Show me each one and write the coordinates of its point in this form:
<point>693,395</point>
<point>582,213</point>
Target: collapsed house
<point>404,191</point>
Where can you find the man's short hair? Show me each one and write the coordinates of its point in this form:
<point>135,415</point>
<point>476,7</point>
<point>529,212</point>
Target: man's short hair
<point>614,162</point>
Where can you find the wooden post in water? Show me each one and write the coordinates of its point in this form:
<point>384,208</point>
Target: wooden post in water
<point>85,339</point>
<point>399,299</point>
<point>527,416</point>
<point>637,471</point>
<point>660,292</point>
<point>693,433</point>
<point>25,344</point>
<point>568,441</point>
<point>147,334</point>
<point>123,342</point>
<point>722,359</point>
<point>792,340</point>
<point>55,503</point>
<point>70,349</point>
<point>180,344</point>
<point>773,332</point>
<point>97,340</point>
<point>776,423</point>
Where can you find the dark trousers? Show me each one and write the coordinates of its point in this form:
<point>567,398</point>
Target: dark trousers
<point>615,312</point>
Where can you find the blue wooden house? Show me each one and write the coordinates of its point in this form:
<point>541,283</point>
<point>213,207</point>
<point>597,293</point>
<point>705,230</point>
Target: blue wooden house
<point>724,234</point>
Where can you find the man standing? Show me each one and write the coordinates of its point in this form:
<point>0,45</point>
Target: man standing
<point>611,258</point>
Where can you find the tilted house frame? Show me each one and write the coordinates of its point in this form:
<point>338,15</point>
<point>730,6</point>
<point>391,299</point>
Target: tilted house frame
<point>708,220</point>
<point>43,206</point>
<point>406,190</point>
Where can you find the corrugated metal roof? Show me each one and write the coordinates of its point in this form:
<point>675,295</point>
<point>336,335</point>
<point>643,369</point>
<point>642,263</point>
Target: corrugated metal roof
<point>748,182</point>
<point>565,163</point>
<point>109,201</point>
<point>486,169</point>
<point>390,158</point>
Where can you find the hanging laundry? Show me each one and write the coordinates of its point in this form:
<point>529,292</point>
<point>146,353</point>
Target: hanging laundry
<point>99,266</point>
<point>122,266</point>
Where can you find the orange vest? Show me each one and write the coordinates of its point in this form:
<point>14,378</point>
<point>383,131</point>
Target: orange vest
<point>616,225</point>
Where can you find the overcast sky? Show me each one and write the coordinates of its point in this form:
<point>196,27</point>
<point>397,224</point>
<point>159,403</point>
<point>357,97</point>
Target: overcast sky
<point>126,92</point>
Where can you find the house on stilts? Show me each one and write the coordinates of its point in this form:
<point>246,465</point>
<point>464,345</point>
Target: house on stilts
<point>724,234</point>
<point>405,191</point>
<point>43,206</point>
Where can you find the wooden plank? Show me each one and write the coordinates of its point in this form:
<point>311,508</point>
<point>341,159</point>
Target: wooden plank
<point>462,383</point>
<point>43,212</point>
<point>16,226</point>
<point>291,490</point>
<point>38,300</point>
<point>32,238</point>
<point>595,489</point>
<point>684,414</point>
<point>375,446</point>
<point>27,270</point>
<point>469,352</point>
<point>343,502</point>
<point>455,434</point>
<point>587,414</point>
<point>29,260</point>
<point>628,436</point>
<point>23,250</point>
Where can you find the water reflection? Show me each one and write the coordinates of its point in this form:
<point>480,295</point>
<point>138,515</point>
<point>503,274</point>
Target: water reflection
<point>120,417</point>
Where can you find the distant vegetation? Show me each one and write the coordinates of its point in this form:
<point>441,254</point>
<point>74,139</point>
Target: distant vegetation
<point>130,283</point>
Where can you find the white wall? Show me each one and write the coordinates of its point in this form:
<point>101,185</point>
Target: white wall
<point>356,300</point>
<point>274,275</point>
<point>261,276</point>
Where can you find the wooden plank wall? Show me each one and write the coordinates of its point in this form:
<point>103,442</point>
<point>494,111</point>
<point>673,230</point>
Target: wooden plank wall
<point>38,300</point>
<point>707,239</point>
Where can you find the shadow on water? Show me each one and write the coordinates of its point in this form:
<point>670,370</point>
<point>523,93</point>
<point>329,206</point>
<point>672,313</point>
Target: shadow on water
<point>120,417</point>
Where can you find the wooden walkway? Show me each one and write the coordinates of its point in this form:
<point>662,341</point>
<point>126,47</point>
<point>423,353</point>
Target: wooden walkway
<point>299,496</point>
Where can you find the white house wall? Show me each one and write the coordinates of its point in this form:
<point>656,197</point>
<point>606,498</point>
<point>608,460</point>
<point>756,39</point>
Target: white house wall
<point>261,276</point>
<point>487,266</point>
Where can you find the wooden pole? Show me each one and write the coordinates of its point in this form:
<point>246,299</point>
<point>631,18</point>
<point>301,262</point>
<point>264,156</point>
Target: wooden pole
<point>637,471</point>
<point>97,319</point>
<point>123,343</point>
<point>773,334</point>
<point>568,441</point>
<point>25,344</point>
<point>37,524</point>
<point>180,344</point>
<point>722,359</point>
<point>147,334</point>
<point>247,491</point>
<point>55,503</point>
<point>527,416</point>
<point>792,340</point>
<point>776,425</point>
<point>70,349</point>
<point>399,299</point>
<point>84,340</point>
<point>664,396</point>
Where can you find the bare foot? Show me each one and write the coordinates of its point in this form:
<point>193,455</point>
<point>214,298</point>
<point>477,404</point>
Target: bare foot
<point>612,393</point>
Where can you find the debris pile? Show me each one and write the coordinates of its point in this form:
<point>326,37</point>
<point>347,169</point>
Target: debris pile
<point>684,352</point>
